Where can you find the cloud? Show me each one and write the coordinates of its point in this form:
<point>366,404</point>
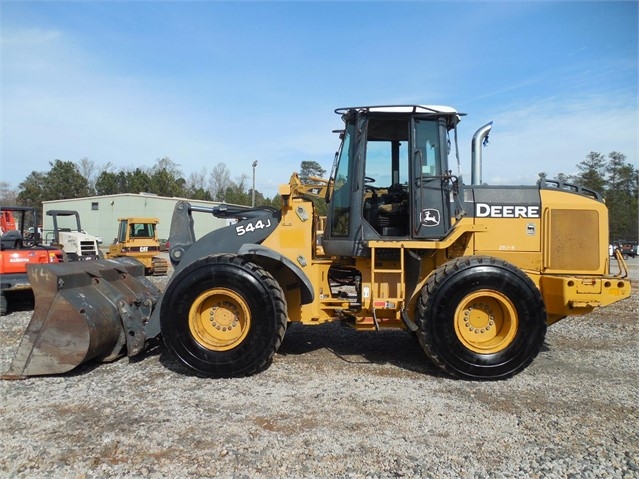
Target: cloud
<point>61,102</point>
<point>24,37</point>
<point>67,94</point>
<point>58,102</point>
<point>554,136</point>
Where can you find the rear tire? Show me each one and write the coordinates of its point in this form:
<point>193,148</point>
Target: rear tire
<point>481,318</point>
<point>4,305</point>
<point>224,316</point>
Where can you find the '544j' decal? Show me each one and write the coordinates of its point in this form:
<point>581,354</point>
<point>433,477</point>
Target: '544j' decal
<point>257,225</point>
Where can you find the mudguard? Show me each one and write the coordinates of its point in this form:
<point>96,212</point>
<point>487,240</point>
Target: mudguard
<point>256,250</point>
<point>253,226</point>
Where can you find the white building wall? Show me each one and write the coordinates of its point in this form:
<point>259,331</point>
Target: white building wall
<point>99,214</point>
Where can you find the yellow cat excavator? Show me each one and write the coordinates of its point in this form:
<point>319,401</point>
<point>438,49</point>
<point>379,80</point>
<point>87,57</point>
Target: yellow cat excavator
<point>476,272</point>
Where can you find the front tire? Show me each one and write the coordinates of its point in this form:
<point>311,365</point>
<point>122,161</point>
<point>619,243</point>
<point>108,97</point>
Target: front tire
<point>481,318</point>
<point>224,316</point>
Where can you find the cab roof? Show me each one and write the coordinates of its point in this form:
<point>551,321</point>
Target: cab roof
<point>410,109</point>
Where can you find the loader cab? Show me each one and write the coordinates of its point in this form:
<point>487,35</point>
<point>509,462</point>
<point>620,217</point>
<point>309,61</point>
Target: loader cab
<point>391,179</point>
<point>134,229</point>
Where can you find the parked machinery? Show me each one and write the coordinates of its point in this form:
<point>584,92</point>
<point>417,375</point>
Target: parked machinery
<point>69,236</point>
<point>20,245</point>
<point>137,238</point>
<point>475,272</point>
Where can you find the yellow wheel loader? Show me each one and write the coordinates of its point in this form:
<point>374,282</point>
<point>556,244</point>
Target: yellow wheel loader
<point>137,238</point>
<point>475,272</point>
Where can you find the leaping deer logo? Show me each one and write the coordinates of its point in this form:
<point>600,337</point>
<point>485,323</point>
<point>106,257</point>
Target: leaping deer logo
<point>429,217</point>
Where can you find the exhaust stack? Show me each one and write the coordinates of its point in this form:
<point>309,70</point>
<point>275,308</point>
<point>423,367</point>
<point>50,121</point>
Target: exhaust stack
<point>479,138</point>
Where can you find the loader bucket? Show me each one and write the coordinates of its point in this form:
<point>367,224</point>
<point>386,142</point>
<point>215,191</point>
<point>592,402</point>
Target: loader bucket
<point>86,310</point>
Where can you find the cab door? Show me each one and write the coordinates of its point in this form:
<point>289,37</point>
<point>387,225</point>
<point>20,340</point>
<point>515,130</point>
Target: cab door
<point>430,186</point>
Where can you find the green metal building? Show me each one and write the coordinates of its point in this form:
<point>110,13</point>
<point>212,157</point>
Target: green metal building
<point>99,214</point>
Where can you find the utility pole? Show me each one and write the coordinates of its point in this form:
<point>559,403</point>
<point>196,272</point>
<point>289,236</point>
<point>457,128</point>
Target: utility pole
<point>253,199</point>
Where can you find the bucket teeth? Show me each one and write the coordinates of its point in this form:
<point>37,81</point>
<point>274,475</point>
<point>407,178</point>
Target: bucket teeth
<point>88,310</point>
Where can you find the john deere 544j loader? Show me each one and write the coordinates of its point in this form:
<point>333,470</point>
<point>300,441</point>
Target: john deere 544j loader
<point>476,272</point>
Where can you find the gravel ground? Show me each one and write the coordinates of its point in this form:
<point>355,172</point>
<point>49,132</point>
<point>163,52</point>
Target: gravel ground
<point>336,403</point>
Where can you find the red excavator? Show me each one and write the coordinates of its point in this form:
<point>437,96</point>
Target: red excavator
<point>20,245</point>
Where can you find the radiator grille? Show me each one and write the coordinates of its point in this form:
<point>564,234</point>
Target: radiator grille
<point>574,240</point>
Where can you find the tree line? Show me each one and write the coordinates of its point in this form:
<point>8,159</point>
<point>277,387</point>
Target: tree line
<point>610,175</point>
<point>66,180</point>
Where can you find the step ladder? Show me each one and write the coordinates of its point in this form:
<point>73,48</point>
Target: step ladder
<point>393,304</point>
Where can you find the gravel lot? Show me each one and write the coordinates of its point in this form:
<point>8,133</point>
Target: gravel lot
<point>336,403</point>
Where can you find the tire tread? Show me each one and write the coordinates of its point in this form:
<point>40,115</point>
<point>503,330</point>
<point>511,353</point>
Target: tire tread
<point>435,281</point>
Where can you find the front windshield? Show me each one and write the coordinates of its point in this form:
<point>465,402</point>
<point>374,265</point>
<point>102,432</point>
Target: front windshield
<point>341,196</point>
<point>379,170</point>
<point>142,230</point>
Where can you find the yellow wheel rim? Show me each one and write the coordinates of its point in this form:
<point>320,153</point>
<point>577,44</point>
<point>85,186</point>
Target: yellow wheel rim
<point>486,322</point>
<point>219,319</point>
